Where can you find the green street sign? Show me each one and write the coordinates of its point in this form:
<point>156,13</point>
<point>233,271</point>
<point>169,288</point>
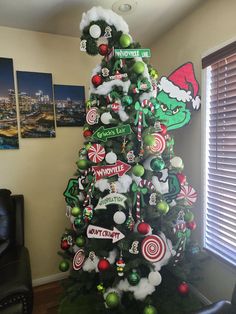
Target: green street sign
<point>103,134</point>
<point>132,53</point>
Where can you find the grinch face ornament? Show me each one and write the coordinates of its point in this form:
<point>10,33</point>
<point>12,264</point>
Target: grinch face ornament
<point>177,92</point>
<point>172,113</point>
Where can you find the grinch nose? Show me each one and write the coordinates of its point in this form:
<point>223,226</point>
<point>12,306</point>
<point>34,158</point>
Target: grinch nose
<point>168,112</point>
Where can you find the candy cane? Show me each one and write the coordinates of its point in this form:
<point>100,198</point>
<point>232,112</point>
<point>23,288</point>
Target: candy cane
<point>142,183</point>
<point>147,183</point>
<point>148,103</point>
<point>145,103</point>
<point>138,210</point>
<point>86,200</point>
<point>154,86</point>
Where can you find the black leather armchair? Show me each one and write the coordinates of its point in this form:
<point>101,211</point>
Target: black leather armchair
<point>16,294</point>
<point>220,307</point>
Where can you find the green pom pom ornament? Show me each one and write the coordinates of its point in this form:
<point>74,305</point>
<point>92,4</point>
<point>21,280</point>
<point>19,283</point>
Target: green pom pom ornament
<point>125,40</point>
<point>133,278</point>
<point>149,309</point>
<point>163,207</point>
<point>138,67</point>
<point>112,300</point>
<point>82,164</point>
<point>75,211</point>
<point>149,140</point>
<point>157,164</point>
<point>138,170</point>
<point>64,266</point>
<point>189,216</point>
<point>78,222</point>
<point>80,241</point>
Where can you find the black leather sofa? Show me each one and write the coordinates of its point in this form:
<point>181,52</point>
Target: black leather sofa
<point>16,293</point>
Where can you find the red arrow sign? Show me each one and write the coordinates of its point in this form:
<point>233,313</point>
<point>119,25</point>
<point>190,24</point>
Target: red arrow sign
<point>119,168</point>
<point>102,233</point>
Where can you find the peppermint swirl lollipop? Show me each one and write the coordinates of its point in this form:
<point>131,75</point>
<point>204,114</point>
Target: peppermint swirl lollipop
<point>92,116</point>
<point>160,144</point>
<point>96,153</point>
<point>78,259</point>
<point>153,248</point>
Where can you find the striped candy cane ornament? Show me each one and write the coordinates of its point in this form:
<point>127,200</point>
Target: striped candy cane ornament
<point>88,196</point>
<point>143,183</point>
<point>145,103</point>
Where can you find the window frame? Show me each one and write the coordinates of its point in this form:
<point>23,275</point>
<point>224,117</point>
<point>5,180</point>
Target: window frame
<point>204,155</point>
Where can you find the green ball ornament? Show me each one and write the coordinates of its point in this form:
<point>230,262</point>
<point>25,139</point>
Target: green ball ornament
<point>157,164</point>
<point>78,222</point>
<point>138,170</point>
<point>163,207</point>
<point>138,67</point>
<point>80,241</point>
<point>125,40</point>
<point>112,300</point>
<point>75,211</point>
<point>82,164</point>
<point>133,278</point>
<point>64,266</point>
<point>149,309</point>
<point>149,140</point>
<point>189,216</point>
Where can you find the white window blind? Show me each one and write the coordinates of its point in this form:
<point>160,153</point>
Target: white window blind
<point>220,224</point>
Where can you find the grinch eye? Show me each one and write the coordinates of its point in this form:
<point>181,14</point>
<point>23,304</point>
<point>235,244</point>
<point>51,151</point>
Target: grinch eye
<point>95,31</point>
<point>164,107</point>
<point>176,110</point>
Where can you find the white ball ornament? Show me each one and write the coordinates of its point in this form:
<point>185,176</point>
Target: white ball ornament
<point>119,217</point>
<point>176,162</point>
<point>106,117</point>
<point>95,31</point>
<point>111,158</point>
<point>154,278</point>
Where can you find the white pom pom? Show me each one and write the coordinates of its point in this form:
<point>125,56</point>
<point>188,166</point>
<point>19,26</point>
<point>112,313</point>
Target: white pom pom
<point>106,117</point>
<point>95,31</point>
<point>154,278</point>
<point>176,162</point>
<point>119,217</point>
<point>111,158</point>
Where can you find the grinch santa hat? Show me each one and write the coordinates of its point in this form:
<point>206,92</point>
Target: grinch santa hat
<point>182,85</point>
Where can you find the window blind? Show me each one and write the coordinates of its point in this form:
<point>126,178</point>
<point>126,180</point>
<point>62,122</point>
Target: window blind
<point>220,225</point>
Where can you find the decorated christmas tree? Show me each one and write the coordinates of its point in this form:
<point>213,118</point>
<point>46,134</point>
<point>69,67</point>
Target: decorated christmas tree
<point>129,203</point>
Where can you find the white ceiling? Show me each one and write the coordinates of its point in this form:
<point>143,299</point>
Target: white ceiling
<point>149,19</point>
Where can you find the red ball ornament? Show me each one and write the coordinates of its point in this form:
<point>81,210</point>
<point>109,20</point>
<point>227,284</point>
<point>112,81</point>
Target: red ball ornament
<point>191,225</point>
<point>97,80</point>
<point>181,178</point>
<point>87,133</point>
<point>103,49</point>
<point>163,129</point>
<point>144,228</point>
<point>64,245</point>
<point>103,264</point>
<point>183,288</point>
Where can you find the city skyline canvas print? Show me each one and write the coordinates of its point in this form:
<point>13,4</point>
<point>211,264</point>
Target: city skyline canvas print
<point>35,98</point>
<point>70,105</point>
<point>8,117</point>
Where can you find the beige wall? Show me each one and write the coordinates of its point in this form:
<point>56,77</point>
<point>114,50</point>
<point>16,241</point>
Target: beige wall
<point>212,24</point>
<point>41,168</point>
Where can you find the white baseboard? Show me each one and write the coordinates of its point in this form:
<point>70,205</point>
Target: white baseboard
<point>44,280</point>
<point>200,296</point>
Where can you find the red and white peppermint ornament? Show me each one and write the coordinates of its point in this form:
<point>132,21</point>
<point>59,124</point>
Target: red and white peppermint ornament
<point>188,194</point>
<point>78,259</point>
<point>92,116</point>
<point>160,144</point>
<point>96,153</point>
<point>153,248</point>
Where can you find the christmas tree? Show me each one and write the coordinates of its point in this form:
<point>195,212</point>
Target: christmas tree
<point>129,203</point>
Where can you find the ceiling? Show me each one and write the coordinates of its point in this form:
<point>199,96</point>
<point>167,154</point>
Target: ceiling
<point>148,20</point>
